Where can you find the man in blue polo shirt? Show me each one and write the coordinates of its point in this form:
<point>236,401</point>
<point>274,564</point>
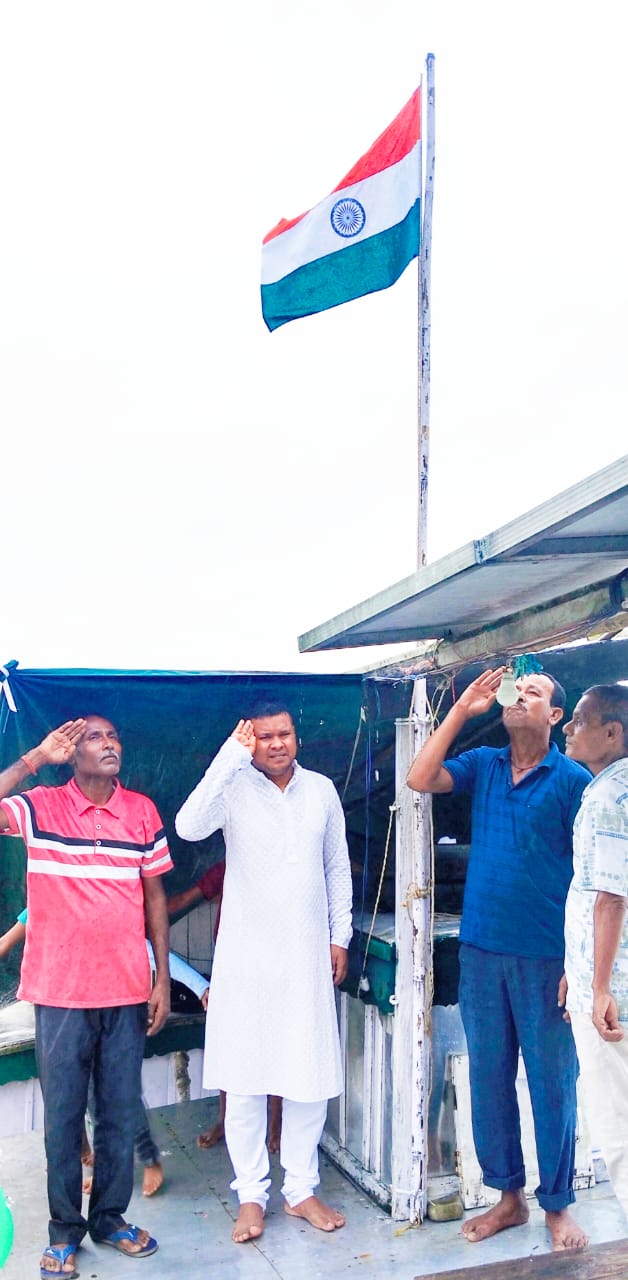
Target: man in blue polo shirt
<point>524,801</point>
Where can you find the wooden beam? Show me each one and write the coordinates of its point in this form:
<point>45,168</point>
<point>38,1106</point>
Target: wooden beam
<point>598,1262</point>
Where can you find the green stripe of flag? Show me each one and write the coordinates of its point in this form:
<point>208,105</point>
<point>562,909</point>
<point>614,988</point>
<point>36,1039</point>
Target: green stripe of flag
<point>354,270</point>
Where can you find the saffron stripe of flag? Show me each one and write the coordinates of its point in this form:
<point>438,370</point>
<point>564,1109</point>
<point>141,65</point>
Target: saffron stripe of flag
<point>359,239</point>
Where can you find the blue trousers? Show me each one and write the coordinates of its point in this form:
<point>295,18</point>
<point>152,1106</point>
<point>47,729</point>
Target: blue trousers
<point>71,1044</point>
<point>508,1003</point>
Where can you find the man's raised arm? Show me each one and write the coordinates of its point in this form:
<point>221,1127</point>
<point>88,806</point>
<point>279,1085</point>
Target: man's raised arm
<point>426,772</point>
<point>56,748</point>
<point>203,812</point>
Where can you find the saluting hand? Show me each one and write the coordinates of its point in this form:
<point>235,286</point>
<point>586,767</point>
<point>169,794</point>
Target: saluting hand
<point>480,695</point>
<point>59,746</point>
<point>245,734</point>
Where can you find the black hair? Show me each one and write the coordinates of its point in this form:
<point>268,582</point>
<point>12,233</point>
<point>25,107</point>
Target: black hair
<point>270,707</point>
<point>612,704</point>
<point>559,697</point>
<point>98,715</point>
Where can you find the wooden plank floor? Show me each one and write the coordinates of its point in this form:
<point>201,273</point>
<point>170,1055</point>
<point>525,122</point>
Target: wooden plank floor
<point>597,1262</point>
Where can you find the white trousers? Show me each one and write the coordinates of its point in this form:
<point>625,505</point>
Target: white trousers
<point>604,1082</point>
<point>245,1134</point>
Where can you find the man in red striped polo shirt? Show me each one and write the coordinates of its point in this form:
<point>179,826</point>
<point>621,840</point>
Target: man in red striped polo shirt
<point>96,855</point>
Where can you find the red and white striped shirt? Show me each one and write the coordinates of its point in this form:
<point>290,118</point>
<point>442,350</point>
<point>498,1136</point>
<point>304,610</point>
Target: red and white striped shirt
<point>85,943</point>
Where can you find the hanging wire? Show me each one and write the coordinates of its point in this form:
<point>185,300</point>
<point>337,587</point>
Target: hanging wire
<point>361,720</point>
<point>367,820</point>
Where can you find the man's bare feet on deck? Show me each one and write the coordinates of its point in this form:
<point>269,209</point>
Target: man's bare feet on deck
<point>318,1213</point>
<point>211,1136</point>
<point>249,1223</point>
<point>511,1211</point>
<point>564,1231</point>
<point>153,1179</point>
<point>217,1132</point>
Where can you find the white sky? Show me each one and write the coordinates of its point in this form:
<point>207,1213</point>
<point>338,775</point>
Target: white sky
<point>182,489</point>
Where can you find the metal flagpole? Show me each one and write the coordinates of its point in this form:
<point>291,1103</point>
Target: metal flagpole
<point>421,894</point>
<point>412,1040</point>
<point>425,263</point>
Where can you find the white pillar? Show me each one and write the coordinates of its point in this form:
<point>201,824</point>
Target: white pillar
<point>413,937</point>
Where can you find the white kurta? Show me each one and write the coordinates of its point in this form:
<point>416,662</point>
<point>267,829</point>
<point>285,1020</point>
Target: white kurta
<point>271,1017</point>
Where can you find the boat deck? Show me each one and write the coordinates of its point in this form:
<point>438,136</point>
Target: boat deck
<point>193,1215</point>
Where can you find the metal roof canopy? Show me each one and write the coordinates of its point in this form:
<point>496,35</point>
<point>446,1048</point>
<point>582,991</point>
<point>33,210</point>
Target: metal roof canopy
<point>549,575</point>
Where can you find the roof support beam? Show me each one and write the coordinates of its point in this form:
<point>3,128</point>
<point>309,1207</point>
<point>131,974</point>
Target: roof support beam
<point>599,613</point>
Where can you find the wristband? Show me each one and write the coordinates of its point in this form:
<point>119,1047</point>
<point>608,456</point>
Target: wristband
<point>28,764</point>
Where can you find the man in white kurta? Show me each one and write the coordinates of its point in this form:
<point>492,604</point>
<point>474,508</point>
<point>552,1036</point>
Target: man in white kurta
<point>285,927</point>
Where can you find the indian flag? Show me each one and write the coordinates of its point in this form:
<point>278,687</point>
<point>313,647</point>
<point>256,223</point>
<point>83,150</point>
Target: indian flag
<point>357,240</point>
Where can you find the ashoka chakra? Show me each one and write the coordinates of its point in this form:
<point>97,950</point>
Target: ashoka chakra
<point>347,217</point>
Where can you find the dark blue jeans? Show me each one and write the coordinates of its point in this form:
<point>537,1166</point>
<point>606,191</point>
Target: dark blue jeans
<point>507,1003</point>
<point>71,1044</point>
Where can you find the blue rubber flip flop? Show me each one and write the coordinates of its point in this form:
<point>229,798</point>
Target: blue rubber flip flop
<point>60,1255</point>
<point>129,1233</point>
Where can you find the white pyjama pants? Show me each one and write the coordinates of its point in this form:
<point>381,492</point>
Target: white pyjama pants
<point>245,1134</point>
<point>604,1083</point>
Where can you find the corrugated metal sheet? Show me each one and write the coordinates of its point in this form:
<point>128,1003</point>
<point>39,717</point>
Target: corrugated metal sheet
<point>569,546</point>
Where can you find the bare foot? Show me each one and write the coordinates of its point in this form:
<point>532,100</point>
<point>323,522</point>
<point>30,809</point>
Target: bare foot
<point>211,1136</point>
<point>153,1179</point>
<point>564,1231</point>
<point>510,1211</point>
<point>88,1178</point>
<point>317,1213</point>
<point>67,1268</point>
<point>249,1223</point>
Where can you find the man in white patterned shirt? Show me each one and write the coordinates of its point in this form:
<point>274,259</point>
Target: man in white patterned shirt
<point>596,927</point>
<point>285,927</point>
